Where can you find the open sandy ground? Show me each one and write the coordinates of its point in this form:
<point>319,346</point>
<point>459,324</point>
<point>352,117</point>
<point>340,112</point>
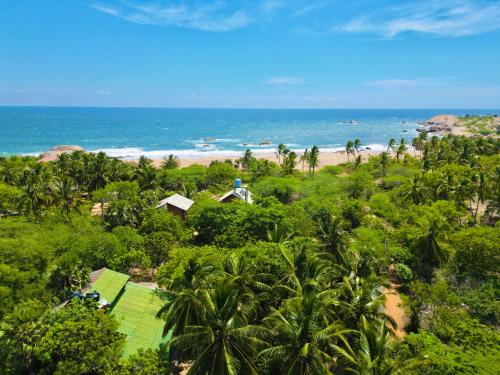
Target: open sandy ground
<point>325,158</point>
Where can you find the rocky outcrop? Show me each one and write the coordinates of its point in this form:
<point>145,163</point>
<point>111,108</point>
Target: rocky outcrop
<point>55,151</point>
<point>439,124</point>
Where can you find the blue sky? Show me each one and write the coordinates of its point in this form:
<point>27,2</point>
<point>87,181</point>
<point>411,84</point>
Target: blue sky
<point>255,53</point>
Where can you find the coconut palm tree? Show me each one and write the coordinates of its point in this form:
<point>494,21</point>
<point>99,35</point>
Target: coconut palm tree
<point>428,246</point>
<point>289,163</point>
<point>66,195</point>
<point>212,328</point>
<point>279,233</point>
<point>333,237</point>
<point>305,329</point>
<point>415,190</point>
<point>313,159</point>
<point>357,162</point>
<point>349,149</point>
<point>280,151</point>
<point>170,162</point>
<point>8,173</point>
<point>480,183</point>
<point>98,171</point>
<point>357,145</point>
<point>401,150</point>
<point>371,357</point>
<point>32,199</point>
<point>391,146</point>
<point>363,297</point>
<point>383,163</point>
<point>304,158</point>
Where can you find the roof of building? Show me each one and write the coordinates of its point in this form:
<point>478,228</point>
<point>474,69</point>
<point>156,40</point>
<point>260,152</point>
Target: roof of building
<point>109,284</point>
<point>241,193</point>
<point>178,201</point>
<point>136,311</point>
<point>134,306</point>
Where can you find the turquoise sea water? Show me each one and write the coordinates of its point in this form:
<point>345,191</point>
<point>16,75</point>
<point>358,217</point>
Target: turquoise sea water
<point>130,132</point>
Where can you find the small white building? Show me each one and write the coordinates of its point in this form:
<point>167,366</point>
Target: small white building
<point>237,193</point>
<point>177,204</point>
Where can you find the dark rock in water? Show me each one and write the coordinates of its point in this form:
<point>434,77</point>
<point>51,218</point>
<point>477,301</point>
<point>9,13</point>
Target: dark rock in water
<point>434,128</point>
<point>405,131</point>
<point>209,139</point>
<point>368,148</point>
<point>421,130</point>
<point>265,143</point>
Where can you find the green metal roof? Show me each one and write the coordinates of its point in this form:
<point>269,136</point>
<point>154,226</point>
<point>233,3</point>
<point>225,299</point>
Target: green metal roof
<point>136,311</point>
<point>109,284</point>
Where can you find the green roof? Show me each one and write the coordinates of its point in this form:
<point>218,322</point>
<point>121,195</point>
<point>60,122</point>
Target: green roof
<point>136,311</point>
<point>109,284</point>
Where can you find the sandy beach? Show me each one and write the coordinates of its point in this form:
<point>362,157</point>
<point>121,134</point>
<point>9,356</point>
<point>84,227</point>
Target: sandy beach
<point>325,158</point>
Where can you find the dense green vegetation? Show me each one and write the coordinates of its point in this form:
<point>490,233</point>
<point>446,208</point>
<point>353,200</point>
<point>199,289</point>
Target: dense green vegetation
<point>293,283</point>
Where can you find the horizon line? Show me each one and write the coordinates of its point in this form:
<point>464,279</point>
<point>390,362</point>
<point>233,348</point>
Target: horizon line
<point>245,108</point>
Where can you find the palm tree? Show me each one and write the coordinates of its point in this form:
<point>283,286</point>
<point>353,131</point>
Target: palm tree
<point>401,150</point>
<point>428,245</point>
<point>363,297</point>
<point>306,328</point>
<point>98,171</point>
<point>62,163</point>
<point>145,175</point>
<point>211,328</point>
<point>247,275</point>
<point>246,160</point>
<point>66,195</point>
<point>8,172</point>
<point>372,355</point>
<point>32,198</point>
<point>391,146</point>
<point>260,168</point>
<point>333,237</point>
<point>313,159</point>
<point>480,182</point>
<point>171,162</point>
<point>117,172</point>
<point>304,158</point>
<point>189,190</point>
<point>279,233</point>
<point>280,151</point>
<point>415,190</point>
<point>383,162</point>
<point>358,161</point>
<point>357,145</point>
<point>349,149</point>
<point>289,162</point>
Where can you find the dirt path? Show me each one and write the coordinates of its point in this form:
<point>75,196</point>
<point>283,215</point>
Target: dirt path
<point>394,305</point>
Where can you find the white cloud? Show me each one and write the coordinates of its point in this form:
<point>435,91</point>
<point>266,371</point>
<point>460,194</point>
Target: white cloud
<point>396,83</point>
<point>444,18</point>
<point>285,81</point>
<point>208,15</point>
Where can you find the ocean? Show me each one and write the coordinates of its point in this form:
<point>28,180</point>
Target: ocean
<point>187,133</point>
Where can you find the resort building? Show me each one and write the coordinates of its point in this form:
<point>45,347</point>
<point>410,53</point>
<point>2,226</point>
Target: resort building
<point>134,306</point>
<point>177,204</point>
<point>241,193</point>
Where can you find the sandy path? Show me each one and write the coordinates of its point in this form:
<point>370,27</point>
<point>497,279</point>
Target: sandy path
<point>394,305</point>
